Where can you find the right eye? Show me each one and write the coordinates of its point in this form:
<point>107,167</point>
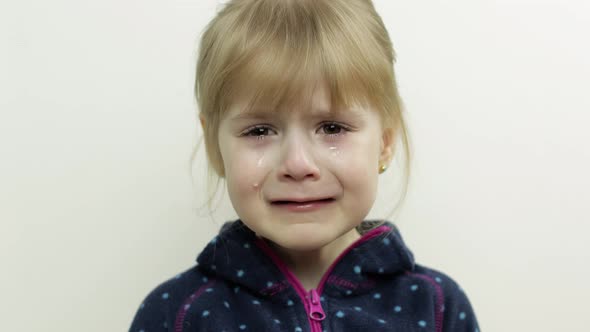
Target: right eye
<point>259,132</point>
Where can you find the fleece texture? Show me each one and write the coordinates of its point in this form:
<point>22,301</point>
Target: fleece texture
<point>240,284</point>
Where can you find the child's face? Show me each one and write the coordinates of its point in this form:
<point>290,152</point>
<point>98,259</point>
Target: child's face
<point>303,154</point>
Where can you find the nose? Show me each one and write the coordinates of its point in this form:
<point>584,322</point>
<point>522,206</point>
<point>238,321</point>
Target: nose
<point>297,161</point>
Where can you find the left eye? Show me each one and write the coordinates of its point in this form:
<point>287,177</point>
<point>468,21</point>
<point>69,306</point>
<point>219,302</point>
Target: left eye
<point>258,131</point>
<point>332,129</point>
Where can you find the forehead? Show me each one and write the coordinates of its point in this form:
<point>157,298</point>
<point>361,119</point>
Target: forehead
<point>315,101</point>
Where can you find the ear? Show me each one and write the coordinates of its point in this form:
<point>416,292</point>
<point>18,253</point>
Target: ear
<point>387,146</point>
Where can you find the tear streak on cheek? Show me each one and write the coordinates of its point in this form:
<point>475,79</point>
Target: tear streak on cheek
<point>334,151</point>
<point>260,162</point>
<point>259,165</point>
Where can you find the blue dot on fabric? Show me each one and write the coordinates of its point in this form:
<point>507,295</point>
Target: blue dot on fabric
<point>214,240</point>
<point>414,288</point>
<point>377,296</point>
<point>205,313</point>
<point>186,306</point>
<point>226,304</point>
<point>357,269</point>
<point>386,241</point>
<point>246,245</point>
<point>462,316</point>
<point>178,276</point>
<point>348,292</point>
<point>277,321</point>
<point>165,324</point>
<point>165,296</point>
<point>209,290</point>
<point>442,308</point>
<point>213,267</point>
<point>339,314</point>
<point>298,329</point>
<point>381,321</point>
<point>205,279</point>
<point>290,303</point>
<point>242,327</point>
<point>141,305</point>
<point>269,283</point>
<point>322,299</point>
<point>439,280</point>
<point>380,270</point>
<point>358,308</point>
<point>236,289</point>
<point>255,302</point>
<point>240,273</point>
<point>422,323</point>
<point>397,308</point>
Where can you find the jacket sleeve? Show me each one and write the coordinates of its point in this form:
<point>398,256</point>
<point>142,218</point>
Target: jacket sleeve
<point>458,314</point>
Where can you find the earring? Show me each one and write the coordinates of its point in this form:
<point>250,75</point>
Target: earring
<point>382,169</point>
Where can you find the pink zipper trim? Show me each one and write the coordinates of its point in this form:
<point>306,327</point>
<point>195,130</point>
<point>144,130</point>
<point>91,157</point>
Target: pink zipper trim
<point>366,237</point>
<point>311,300</point>
<point>307,302</point>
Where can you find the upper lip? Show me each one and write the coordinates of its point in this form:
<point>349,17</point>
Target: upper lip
<point>300,200</point>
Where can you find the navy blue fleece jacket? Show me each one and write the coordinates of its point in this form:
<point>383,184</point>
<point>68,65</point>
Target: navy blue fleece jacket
<point>240,284</point>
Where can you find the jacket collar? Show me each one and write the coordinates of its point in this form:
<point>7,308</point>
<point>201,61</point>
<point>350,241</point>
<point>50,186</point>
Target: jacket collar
<point>236,255</point>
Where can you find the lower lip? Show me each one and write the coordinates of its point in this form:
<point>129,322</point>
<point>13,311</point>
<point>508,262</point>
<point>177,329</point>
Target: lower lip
<point>304,207</point>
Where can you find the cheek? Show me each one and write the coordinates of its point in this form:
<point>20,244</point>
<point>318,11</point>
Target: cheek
<point>357,163</point>
<point>358,155</point>
<point>245,170</point>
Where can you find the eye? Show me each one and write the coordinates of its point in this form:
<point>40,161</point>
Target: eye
<point>258,131</point>
<point>333,129</point>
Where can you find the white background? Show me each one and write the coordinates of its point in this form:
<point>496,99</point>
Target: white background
<point>98,119</point>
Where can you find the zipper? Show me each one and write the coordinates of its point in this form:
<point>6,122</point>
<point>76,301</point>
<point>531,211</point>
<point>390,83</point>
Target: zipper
<point>316,312</point>
<point>312,299</point>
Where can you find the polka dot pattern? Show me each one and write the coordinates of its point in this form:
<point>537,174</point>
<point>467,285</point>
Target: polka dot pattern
<point>229,290</point>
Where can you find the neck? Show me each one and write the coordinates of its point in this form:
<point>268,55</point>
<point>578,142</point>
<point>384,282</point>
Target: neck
<point>310,266</point>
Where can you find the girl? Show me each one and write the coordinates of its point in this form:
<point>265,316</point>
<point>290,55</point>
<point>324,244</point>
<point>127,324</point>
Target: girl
<point>301,113</point>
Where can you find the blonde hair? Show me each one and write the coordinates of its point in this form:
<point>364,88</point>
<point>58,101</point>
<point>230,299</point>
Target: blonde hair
<point>273,50</point>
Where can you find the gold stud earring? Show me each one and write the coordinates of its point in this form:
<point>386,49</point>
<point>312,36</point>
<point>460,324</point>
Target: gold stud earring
<point>382,169</point>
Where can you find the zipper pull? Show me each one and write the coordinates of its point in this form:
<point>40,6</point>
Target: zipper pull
<point>315,307</point>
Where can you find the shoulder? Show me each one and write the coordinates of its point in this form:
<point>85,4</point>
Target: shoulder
<point>454,310</point>
<point>159,308</point>
<point>439,279</point>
